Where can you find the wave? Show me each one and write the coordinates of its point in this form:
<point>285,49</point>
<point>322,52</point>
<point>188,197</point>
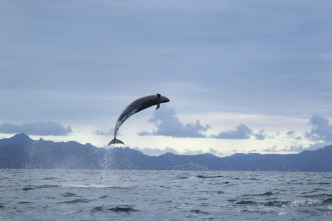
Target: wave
<point>49,178</point>
<point>296,203</point>
<point>103,197</point>
<point>327,201</point>
<point>318,183</point>
<point>32,187</point>
<point>268,193</point>
<point>198,211</point>
<point>68,194</point>
<point>25,202</point>
<point>246,202</point>
<point>83,186</point>
<point>116,209</point>
<point>306,203</point>
<point>276,203</point>
<point>75,201</point>
<point>123,209</point>
<point>208,177</point>
<point>98,209</point>
<point>320,196</point>
<point>182,177</point>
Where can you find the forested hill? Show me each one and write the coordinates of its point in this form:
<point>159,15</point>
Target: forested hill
<point>21,152</point>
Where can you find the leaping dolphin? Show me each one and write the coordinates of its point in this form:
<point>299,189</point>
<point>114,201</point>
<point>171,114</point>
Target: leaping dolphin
<point>136,106</point>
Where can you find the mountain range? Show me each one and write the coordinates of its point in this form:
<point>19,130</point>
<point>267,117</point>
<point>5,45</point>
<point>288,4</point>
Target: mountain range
<point>21,152</point>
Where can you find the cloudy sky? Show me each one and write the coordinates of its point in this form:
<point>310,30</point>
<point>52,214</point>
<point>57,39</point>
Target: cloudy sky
<point>242,76</point>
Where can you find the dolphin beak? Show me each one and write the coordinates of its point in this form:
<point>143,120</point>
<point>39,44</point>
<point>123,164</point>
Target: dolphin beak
<point>164,99</point>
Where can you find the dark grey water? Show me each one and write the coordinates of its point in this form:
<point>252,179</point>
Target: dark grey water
<point>164,195</point>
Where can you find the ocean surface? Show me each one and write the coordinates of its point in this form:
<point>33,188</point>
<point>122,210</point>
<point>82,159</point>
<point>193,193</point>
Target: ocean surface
<point>164,195</point>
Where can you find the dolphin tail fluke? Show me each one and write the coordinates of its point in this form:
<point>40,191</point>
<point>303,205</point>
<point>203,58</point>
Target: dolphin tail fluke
<point>115,141</point>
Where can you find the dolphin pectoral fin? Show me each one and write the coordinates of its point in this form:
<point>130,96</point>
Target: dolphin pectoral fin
<point>158,105</point>
<point>115,141</point>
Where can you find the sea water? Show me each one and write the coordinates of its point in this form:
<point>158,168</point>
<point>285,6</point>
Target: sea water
<point>164,195</point>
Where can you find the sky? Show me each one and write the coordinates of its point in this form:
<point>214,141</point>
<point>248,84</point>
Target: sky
<point>242,76</point>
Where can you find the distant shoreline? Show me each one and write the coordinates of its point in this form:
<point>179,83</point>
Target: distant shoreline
<point>21,152</point>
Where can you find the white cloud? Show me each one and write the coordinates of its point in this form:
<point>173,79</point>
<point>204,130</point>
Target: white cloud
<point>209,151</point>
<point>272,149</point>
<point>168,124</point>
<point>291,134</point>
<point>260,135</point>
<point>321,130</point>
<point>106,133</point>
<point>296,148</point>
<point>156,151</point>
<point>242,131</point>
<point>291,148</point>
<point>36,128</point>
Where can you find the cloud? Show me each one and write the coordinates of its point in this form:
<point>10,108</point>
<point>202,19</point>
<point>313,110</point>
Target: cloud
<point>107,133</point>
<point>272,149</point>
<point>296,148</point>
<point>196,152</point>
<point>291,134</point>
<point>242,131</point>
<point>260,135</point>
<point>156,151</point>
<point>169,125</point>
<point>321,130</point>
<point>293,148</point>
<point>36,128</point>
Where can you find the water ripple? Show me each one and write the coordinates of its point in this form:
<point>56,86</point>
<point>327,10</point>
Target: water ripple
<point>177,195</point>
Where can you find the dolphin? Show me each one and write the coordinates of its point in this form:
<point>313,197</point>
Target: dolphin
<point>136,106</point>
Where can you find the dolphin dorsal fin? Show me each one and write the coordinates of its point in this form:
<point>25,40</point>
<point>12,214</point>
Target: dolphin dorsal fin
<point>158,95</point>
